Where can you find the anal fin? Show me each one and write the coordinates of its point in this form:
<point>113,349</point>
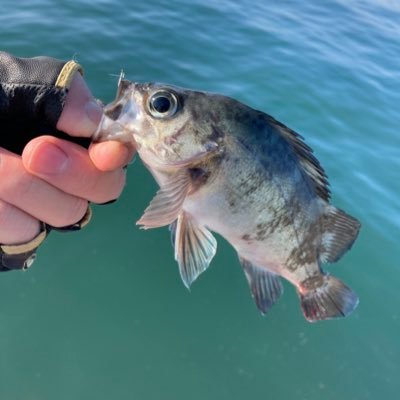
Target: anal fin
<point>340,230</point>
<point>266,287</point>
<point>195,246</point>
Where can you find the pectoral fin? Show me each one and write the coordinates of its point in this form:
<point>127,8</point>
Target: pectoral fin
<point>266,287</point>
<point>195,246</point>
<point>167,203</point>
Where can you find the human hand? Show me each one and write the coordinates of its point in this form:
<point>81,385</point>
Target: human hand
<point>54,179</point>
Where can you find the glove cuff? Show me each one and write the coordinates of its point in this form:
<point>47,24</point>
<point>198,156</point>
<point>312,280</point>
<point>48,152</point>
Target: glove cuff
<point>65,76</point>
<point>22,256</point>
<point>77,226</point>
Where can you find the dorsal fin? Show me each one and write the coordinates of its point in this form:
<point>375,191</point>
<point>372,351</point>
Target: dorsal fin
<point>308,161</point>
<point>339,231</point>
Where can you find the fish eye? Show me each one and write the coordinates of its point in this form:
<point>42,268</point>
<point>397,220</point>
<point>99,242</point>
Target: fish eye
<point>162,104</point>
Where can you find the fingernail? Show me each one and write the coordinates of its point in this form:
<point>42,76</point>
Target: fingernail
<point>107,202</point>
<point>94,113</point>
<point>48,158</point>
<point>132,160</point>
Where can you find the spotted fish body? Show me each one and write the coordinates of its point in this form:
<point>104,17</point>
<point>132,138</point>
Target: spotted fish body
<point>225,167</point>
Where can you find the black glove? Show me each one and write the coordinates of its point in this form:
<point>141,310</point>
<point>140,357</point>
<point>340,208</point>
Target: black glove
<point>32,96</point>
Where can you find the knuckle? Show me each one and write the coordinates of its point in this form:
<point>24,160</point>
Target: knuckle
<point>5,214</point>
<point>26,187</point>
<point>71,213</point>
<point>16,226</point>
<point>17,184</point>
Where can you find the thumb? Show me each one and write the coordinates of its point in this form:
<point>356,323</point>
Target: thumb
<point>81,113</point>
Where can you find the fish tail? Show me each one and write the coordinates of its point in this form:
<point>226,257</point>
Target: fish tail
<point>325,297</point>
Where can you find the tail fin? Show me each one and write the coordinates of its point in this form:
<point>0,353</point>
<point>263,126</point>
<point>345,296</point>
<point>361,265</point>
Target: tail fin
<point>340,230</point>
<point>326,297</point>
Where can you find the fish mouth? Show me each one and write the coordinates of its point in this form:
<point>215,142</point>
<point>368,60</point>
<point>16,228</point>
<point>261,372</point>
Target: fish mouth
<point>121,117</point>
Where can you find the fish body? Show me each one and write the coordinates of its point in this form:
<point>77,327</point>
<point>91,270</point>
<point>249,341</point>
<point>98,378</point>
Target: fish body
<point>225,167</point>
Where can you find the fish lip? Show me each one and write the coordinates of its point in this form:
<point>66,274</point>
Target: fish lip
<point>120,117</point>
<point>124,97</point>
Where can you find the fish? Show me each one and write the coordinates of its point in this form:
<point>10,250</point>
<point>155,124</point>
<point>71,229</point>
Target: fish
<point>227,168</point>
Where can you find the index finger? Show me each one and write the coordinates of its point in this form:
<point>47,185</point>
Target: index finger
<point>108,156</point>
<point>81,113</point>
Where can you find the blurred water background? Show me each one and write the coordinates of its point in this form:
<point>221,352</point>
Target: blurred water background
<point>103,313</point>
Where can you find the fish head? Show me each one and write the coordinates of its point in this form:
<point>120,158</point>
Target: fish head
<point>164,122</point>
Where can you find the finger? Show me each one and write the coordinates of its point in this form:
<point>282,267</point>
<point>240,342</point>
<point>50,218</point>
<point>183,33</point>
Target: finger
<point>35,196</point>
<point>107,156</point>
<point>81,113</point>
<point>16,227</point>
<point>68,167</point>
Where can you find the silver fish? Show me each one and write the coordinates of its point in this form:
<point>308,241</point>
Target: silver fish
<point>225,167</point>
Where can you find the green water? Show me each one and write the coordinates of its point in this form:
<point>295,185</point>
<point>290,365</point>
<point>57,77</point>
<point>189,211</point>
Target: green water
<point>103,314</point>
